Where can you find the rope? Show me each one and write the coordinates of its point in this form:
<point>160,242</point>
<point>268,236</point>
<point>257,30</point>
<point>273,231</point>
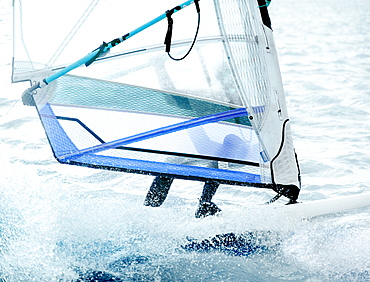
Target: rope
<point>274,199</point>
<point>168,38</point>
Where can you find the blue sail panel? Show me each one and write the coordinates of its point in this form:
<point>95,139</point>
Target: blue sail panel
<point>155,168</point>
<point>58,139</point>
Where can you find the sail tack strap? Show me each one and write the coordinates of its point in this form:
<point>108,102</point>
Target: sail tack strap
<point>167,40</point>
<point>101,51</point>
<point>274,199</point>
<point>168,37</point>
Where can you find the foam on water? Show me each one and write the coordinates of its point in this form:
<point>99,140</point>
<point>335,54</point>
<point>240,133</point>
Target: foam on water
<point>58,221</point>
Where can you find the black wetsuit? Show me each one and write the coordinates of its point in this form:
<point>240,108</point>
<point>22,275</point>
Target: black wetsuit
<point>264,13</point>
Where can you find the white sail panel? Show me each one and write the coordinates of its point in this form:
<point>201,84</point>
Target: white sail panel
<point>256,70</point>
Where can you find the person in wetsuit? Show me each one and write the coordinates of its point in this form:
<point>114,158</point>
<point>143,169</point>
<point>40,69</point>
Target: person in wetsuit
<point>161,184</point>
<point>263,4</point>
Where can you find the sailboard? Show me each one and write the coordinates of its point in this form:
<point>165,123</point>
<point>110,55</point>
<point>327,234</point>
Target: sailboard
<point>208,104</point>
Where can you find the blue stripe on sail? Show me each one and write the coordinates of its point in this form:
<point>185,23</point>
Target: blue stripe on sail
<point>159,132</point>
<point>60,143</point>
<point>164,168</point>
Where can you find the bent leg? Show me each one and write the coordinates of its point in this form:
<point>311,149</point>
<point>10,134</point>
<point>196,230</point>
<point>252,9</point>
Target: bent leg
<point>209,190</point>
<point>158,191</point>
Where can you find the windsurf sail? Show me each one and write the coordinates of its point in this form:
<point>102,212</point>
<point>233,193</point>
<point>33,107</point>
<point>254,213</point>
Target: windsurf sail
<point>139,105</point>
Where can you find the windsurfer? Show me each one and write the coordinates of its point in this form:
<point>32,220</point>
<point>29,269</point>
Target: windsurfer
<point>263,4</point>
<point>160,187</point>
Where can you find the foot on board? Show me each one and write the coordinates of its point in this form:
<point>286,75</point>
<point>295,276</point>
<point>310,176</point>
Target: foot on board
<point>206,209</point>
